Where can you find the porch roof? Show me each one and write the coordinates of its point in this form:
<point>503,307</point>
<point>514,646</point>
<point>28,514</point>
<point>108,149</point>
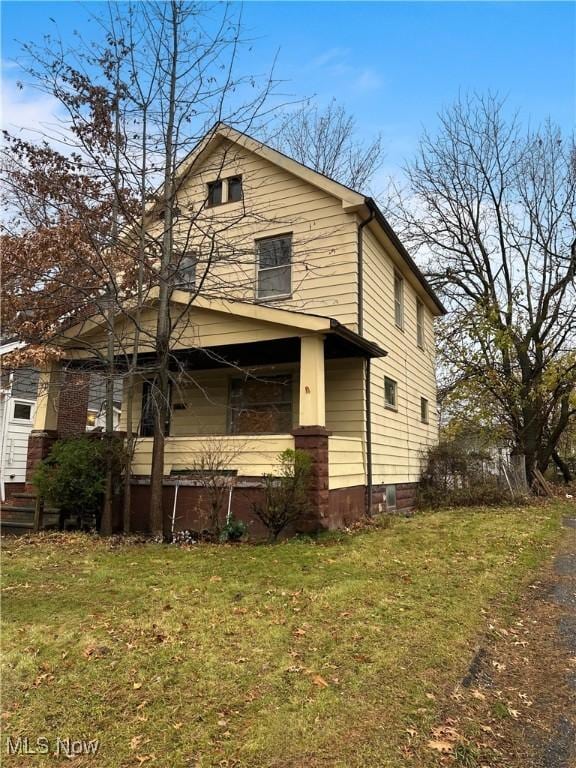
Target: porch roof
<point>276,333</point>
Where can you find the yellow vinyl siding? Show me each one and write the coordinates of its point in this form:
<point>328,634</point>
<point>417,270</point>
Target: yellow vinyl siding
<point>250,456</point>
<point>324,275</point>
<point>346,462</point>
<point>399,438</point>
<point>345,397</point>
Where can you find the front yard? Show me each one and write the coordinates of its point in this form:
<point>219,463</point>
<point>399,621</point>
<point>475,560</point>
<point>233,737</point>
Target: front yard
<point>326,653</point>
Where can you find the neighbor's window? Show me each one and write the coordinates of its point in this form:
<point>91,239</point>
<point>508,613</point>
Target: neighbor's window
<point>274,266</point>
<point>390,393</point>
<point>234,189</point>
<point>91,417</point>
<point>214,193</point>
<point>390,497</point>
<point>399,300</point>
<point>261,405</point>
<point>420,323</point>
<point>424,410</point>
<point>23,411</point>
<point>186,271</point>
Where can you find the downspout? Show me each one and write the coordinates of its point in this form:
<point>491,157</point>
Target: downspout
<point>367,366</point>
<point>368,440</point>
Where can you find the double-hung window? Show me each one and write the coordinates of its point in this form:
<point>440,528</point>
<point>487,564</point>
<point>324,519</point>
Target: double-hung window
<point>274,255</point>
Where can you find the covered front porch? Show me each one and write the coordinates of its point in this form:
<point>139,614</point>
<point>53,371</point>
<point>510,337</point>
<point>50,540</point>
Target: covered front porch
<point>288,380</point>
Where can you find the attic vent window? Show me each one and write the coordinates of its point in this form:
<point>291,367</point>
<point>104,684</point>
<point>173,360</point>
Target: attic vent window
<point>225,191</point>
<point>214,193</point>
<point>234,189</point>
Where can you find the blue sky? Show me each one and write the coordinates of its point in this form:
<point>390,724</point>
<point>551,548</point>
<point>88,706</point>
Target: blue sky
<point>393,64</point>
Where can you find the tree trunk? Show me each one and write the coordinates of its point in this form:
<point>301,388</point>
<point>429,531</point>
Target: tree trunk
<point>562,466</point>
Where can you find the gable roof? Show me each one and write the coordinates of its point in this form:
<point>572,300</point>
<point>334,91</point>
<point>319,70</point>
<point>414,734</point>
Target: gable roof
<point>352,201</point>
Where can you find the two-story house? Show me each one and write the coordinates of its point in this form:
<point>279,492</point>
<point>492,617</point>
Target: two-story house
<point>312,328</point>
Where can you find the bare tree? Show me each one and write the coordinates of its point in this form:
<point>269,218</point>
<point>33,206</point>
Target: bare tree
<point>491,208</point>
<point>326,141</point>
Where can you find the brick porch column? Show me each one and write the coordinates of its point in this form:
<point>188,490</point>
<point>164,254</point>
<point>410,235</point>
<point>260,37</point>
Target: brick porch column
<point>61,408</point>
<point>314,440</point>
<point>311,434</point>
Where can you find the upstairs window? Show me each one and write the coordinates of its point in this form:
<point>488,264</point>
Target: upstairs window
<point>214,193</point>
<point>234,189</point>
<point>186,272</point>
<point>261,405</point>
<point>274,266</point>
<point>419,323</point>
<point>390,393</point>
<point>398,300</point>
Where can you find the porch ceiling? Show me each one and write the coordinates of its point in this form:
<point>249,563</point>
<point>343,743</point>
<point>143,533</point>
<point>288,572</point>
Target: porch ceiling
<point>271,352</point>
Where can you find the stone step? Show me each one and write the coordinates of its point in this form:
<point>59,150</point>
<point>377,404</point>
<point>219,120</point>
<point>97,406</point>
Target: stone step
<point>29,509</point>
<point>15,527</point>
<point>23,495</point>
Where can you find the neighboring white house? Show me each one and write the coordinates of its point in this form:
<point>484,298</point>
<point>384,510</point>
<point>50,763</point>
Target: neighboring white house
<point>18,393</point>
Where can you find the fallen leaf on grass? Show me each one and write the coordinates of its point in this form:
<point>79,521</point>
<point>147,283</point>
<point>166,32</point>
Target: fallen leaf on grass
<point>444,747</point>
<point>319,681</point>
<point>137,686</point>
<point>478,695</point>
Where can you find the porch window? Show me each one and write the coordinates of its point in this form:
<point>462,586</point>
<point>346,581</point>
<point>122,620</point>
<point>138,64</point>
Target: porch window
<point>274,266</point>
<point>261,405</point>
<point>390,393</point>
<point>147,413</point>
<point>399,300</point>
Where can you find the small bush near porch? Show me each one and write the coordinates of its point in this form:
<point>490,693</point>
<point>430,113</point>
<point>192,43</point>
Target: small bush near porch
<point>301,654</point>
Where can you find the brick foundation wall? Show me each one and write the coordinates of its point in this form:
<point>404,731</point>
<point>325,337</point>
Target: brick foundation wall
<point>406,494</point>
<point>73,404</point>
<point>192,508</point>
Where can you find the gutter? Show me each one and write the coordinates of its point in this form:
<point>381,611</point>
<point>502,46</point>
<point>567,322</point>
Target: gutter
<point>393,237</point>
<point>367,367</point>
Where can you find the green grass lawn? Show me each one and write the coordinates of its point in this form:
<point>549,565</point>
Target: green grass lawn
<point>305,653</point>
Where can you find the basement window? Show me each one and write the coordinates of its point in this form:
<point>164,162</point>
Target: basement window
<point>274,267</point>
<point>261,405</point>
<point>390,497</point>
